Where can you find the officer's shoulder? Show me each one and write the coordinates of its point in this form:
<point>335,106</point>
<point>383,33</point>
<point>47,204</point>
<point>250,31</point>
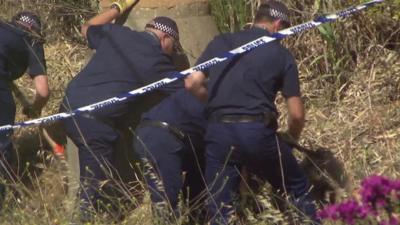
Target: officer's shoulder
<point>222,37</point>
<point>2,25</point>
<point>118,27</point>
<point>285,50</point>
<point>11,29</point>
<point>279,46</point>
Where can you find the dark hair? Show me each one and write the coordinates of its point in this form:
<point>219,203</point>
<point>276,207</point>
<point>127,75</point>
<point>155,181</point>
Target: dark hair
<point>273,10</point>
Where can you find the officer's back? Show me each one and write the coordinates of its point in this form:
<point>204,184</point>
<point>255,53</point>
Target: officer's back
<point>124,60</point>
<point>242,125</point>
<point>181,110</point>
<point>14,52</point>
<point>247,84</point>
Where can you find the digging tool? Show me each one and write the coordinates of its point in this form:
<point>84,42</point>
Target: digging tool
<point>293,143</point>
<point>26,104</point>
<point>124,16</point>
<point>70,163</point>
<point>58,149</point>
<point>325,172</point>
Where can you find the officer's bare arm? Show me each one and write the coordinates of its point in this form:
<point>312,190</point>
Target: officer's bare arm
<point>296,116</point>
<point>42,91</point>
<point>42,95</point>
<point>119,7</point>
<point>103,18</point>
<point>196,84</point>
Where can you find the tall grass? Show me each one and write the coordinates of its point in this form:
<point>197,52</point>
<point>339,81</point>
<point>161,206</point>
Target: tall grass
<point>61,18</point>
<point>231,15</point>
<point>349,72</point>
<point>330,52</point>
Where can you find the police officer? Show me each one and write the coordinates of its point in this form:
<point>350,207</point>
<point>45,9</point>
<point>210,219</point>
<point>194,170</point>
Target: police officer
<point>169,141</point>
<point>21,50</point>
<point>242,116</point>
<point>124,60</point>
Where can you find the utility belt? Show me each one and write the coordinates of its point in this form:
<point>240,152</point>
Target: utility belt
<point>268,118</point>
<point>155,123</point>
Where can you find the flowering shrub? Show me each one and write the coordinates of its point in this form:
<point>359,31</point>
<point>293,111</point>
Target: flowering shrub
<point>379,203</point>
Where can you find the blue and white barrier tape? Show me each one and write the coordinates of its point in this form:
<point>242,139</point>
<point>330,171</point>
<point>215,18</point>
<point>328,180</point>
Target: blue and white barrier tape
<point>240,50</point>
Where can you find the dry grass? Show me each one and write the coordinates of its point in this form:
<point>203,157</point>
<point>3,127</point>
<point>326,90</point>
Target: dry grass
<point>350,83</point>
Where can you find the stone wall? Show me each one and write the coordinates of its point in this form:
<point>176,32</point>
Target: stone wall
<point>196,25</point>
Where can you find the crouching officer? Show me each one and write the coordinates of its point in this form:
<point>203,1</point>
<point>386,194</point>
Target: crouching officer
<point>169,141</point>
<point>242,116</point>
<point>21,50</point>
<point>124,60</point>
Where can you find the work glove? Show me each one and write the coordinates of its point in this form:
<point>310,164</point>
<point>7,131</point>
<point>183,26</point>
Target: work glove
<point>123,4</point>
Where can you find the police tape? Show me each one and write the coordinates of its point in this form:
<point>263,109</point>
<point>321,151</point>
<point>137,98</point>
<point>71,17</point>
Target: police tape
<point>240,50</point>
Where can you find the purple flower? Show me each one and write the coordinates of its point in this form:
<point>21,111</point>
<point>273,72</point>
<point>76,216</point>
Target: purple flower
<point>396,185</point>
<point>351,210</point>
<point>391,221</point>
<point>380,198</point>
<point>348,212</point>
<point>376,190</point>
<point>329,212</point>
<point>382,202</point>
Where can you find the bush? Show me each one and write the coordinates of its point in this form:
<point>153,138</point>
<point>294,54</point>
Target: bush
<point>328,55</point>
<point>378,202</point>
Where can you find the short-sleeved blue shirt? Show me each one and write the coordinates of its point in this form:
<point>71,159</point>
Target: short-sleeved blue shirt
<point>181,110</point>
<point>124,60</point>
<point>19,53</point>
<point>248,84</point>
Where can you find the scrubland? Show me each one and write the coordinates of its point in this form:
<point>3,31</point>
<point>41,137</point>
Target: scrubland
<point>350,80</point>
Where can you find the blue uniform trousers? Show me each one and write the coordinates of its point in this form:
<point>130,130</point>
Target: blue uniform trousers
<point>229,146</point>
<point>95,141</point>
<point>7,116</point>
<point>164,158</point>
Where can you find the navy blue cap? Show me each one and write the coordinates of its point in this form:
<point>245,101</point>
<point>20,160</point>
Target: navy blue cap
<point>28,21</point>
<point>168,26</point>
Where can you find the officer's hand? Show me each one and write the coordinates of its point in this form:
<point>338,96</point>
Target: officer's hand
<point>31,112</point>
<point>123,5</point>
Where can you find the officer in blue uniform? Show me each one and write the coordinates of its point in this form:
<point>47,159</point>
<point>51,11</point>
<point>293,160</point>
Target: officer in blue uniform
<point>124,60</point>
<point>169,140</point>
<point>21,50</point>
<point>242,116</point>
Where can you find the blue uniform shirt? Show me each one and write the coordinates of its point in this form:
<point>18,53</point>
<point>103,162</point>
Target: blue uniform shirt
<point>248,84</point>
<point>19,53</point>
<point>181,110</point>
<point>124,60</point>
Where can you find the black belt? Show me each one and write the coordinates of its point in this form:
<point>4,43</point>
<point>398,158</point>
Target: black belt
<point>268,118</point>
<point>174,130</point>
